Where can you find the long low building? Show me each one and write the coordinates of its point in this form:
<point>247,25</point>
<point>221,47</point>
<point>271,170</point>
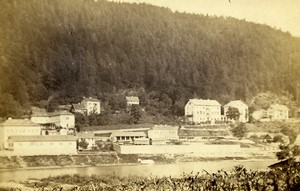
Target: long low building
<point>17,127</point>
<point>43,145</point>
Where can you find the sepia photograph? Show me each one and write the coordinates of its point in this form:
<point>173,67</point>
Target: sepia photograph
<point>149,95</point>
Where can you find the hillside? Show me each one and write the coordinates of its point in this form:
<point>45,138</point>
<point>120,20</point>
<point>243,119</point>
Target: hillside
<point>56,51</point>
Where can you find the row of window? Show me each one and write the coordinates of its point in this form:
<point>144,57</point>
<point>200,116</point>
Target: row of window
<point>207,113</point>
<point>22,130</point>
<point>50,143</point>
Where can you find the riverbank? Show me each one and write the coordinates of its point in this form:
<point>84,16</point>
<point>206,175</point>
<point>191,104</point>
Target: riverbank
<point>234,178</point>
<point>100,159</point>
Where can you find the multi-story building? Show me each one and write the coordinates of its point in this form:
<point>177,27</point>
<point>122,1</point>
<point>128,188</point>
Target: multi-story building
<point>62,119</point>
<point>200,110</point>
<point>87,106</point>
<point>278,112</point>
<point>241,106</point>
<point>17,127</point>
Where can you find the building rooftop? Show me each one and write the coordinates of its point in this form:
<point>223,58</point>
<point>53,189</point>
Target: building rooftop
<point>132,98</point>
<point>42,138</point>
<point>204,102</point>
<point>18,122</point>
<point>78,106</point>
<point>235,102</point>
<point>85,135</point>
<point>279,107</point>
<point>51,114</point>
<point>128,134</point>
<point>164,127</point>
<point>90,99</point>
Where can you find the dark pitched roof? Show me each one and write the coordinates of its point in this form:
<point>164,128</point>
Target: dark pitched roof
<point>90,99</point>
<point>78,106</point>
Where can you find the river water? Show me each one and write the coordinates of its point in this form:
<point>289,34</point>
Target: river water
<point>174,169</point>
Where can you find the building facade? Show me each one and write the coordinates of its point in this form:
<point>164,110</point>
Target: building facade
<point>163,132</point>
<point>87,106</point>
<point>62,119</point>
<point>242,107</point>
<point>132,100</point>
<point>43,145</point>
<point>126,136</point>
<point>199,111</point>
<point>278,112</point>
<point>17,127</point>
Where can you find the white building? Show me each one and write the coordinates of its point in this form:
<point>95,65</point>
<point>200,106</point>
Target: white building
<point>242,107</point>
<point>132,100</point>
<point>163,132</point>
<point>87,106</point>
<point>199,110</point>
<point>89,138</point>
<point>62,119</point>
<point>43,145</point>
<point>126,136</point>
<point>17,127</point>
<point>278,112</point>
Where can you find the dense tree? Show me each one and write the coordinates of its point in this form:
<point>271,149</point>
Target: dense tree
<point>87,48</point>
<point>136,113</point>
<point>239,131</point>
<point>233,113</point>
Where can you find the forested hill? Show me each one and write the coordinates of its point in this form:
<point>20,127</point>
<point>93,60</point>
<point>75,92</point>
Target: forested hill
<point>55,51</point>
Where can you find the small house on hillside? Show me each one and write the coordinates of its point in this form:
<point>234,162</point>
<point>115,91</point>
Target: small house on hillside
<point>132,100</point>
<point>87,106</point>
<point>241,106</point>
<point>278,112</point>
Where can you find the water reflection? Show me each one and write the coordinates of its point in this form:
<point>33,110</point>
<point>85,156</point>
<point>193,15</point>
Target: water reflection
<point>175,170</point>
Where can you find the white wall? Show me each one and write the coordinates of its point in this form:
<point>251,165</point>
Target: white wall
<point>19,130</point>
<point>211,150</point>
<point>45,148</point>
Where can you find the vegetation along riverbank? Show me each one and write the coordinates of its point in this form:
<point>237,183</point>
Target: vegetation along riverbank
<point>239,178</point>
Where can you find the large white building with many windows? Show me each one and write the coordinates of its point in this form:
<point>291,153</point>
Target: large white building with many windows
<point>203,111</point>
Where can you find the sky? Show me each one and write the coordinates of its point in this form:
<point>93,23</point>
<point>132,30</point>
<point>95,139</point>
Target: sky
<point>280,14</point>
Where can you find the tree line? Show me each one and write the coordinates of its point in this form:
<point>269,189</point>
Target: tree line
<point>56,51</point>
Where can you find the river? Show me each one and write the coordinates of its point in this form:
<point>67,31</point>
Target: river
<point>174,169</point>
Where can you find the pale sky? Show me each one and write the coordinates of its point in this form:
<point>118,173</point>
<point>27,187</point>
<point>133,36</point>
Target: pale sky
<point>281,14</point>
